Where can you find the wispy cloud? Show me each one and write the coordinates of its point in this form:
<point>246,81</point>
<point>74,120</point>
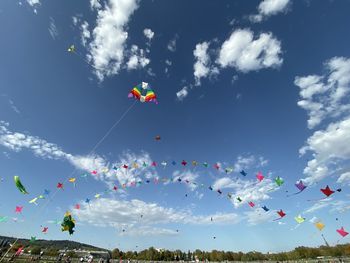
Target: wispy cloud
<point>53,29</point>
<point>129,215</point>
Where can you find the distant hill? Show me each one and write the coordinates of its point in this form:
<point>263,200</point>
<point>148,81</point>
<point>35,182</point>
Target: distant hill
<point>55,244</point>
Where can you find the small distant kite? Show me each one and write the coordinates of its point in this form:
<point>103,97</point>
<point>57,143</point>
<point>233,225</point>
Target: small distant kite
<point>265,208</point>
<point>299,219</point>
<point>184,163</point>
<point>19,185</point>
<point>319,225</point>
<point>300,185</point>
<point>19,209</point>
<point>157,138</point>
<point>59,186</point>
<point>243,173</point>
<point>143,93</point>
<point>251,204</point>
<point>45,229</point>
<point>260,176</point>
<point>279,181</point>
<point>71,49</point>
<point>281,214</point>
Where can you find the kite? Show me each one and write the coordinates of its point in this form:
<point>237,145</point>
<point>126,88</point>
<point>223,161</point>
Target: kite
<point>299,219</point>
<point>68,223</point>
<point>194,163</point>
<point>239,199</point>
<point>71,180</point>
<point>19,185</point>
<point>164,163</point>
<point>105,170</point>
<point>251,204</point>
<point>157,138</point>
<point>97,195</point>
<point>265,208</point>
<point>327,192</point>
<point>229,195</point>
<point>143,93</point>
<point>115,188</point>
<point>342,232</point>
<point>125,166</point>
<point>94,172</point>
<point>219,191</point>
<point>59,186</point>
<point>300,185</point>
<point>260,176</point>
<point>279,181</point>
<point>45,229</point>
<point>210,188</point>
<point>46,192</point>
<point>19,251</point>
<point>184,163</point>
<point>71,48</point>
<point>19,209</point>
<point>154,164</point>
<point>217,166</point>
<point>77,206</point>
<point>32,239</point>
<point>243,173</point>
<point>319,225</point>
<point>33,201</point>
<point>205,164</point>
<point>3,219</point>
<point>228,170</point>
<point>87,200</point>
<point>281,214</point>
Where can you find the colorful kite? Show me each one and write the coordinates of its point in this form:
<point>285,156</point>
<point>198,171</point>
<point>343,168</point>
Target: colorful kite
<point>260,176</point>
<point>251,204</point>
<point>281,214</point>
<point>19,185</point>
<point>71,48</point>
<point>279,181</point>
<point>18,209</point>
<point>265,208</point>
<point>300,185</point>
<point>342,232</point>
<point>299,219</point>
<point>143,93</point>
<point>319,225</point>
<point>68,223</point>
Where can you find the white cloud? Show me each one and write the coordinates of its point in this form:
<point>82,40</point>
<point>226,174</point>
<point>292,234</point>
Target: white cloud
<point>344,178</point>
<point>137,58</point>
<point>189,176</point>
<point>334,206</point>
<point>18,141</point>
<point>202,62</point>
<point>181,94</point>
<point>268,8</point>
<point>85,33</point>
<point>129,215</point>
<point>95,4</point>
<point>172,43</point>
<point>245,53</point>
<point>109,36</point>
<point>319,205</point>
<point>326,96</point>
<point>247,190</point>
<point>53,29</point>
<point>75,20</point>
<point>148,33</point>
<point>34,4</point>
<point>259,216</point>
<point>328,146</point>
<point>248,162</point>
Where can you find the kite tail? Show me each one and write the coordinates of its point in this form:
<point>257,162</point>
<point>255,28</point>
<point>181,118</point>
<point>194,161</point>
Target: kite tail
<point>316,200</point>
<point>277,219</point>
<point>294,194</point>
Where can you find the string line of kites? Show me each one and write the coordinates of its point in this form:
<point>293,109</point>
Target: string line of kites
<point>68,222</point>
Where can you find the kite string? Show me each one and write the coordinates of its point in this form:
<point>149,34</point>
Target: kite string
<point>93,149</point>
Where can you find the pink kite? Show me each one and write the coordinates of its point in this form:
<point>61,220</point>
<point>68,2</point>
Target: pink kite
<point>19,209</point>
<point>260,176</point>
<point>251,204</point>
<point>342,232</point>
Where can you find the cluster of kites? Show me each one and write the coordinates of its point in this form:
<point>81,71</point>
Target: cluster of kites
<point>143,93</point>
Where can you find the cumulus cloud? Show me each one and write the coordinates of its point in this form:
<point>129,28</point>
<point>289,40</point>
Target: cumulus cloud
<point>85,33</point>
<point>258,216</point>
<point>109,37</point>
<point>128,215</point>
<point>327,146</point>
<point>245,53</point>
<point>268,8</point>
<point>334,206</point>
<point>324,96</point>
<point>149,34</point>
<point>181,94</point>
<point>249,161</point>
<point>344,178</point>
<point>53,29</point>
<point>137,58</point>
<point>95,4</point>
<point>202,67</point>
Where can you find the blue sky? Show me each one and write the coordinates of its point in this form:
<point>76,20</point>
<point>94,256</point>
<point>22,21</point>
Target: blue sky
<point>254,85</point>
